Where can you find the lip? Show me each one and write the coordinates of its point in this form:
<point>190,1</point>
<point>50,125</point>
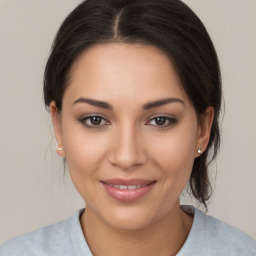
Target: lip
<point>127,182</point>
<point>128,195</point>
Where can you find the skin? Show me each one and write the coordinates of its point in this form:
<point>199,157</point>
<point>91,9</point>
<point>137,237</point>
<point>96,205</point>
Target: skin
<point>130,143</point>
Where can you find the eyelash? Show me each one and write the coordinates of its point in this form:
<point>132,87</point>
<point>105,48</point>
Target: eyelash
<point>171,121</point>
<point>83,120</point>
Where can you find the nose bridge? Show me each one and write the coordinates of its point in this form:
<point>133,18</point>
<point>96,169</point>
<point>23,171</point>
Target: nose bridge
<point>127,149</point>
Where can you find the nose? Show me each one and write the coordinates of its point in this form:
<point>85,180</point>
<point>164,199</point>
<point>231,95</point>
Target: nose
<point>127,149</point>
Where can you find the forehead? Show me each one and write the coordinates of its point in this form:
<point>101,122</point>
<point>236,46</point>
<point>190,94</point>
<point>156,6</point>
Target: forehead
<point>122,70</point>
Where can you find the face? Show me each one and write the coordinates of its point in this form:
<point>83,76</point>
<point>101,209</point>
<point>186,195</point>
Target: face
<point>129,133</point>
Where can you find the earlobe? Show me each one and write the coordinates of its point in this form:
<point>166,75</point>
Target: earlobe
<point>204,130</point>
<point>60,151</point>
<point>57,129</point>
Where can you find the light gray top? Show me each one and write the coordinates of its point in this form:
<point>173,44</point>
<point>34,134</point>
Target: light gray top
<point>208,236</point>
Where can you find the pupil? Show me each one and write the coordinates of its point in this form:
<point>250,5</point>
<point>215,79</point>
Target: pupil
<point>95,120</point>
<point>160,120</point>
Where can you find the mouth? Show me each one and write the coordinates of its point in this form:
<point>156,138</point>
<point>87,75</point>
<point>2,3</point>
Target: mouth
<point>127,190</point>
<point>127,187</point>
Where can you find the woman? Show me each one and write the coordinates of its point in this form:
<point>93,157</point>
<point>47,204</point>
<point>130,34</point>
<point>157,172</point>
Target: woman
<point>134,92</point>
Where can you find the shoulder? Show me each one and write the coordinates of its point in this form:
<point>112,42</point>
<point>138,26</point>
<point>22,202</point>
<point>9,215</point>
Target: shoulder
<point>214,237</point>
<point>233,236</point>
<point>48,240</point>
<point>229,237</point>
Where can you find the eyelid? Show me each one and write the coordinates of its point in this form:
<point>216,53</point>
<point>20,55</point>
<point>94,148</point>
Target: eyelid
<point>83,118</point>
<point>171,119</point>
<point>162,115</point>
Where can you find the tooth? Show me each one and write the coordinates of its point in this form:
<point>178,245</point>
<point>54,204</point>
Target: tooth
<point>127,187</point>
<point>132,187</point>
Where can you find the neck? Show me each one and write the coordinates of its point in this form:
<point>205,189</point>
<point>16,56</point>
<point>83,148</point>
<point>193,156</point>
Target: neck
<point>166,235</point>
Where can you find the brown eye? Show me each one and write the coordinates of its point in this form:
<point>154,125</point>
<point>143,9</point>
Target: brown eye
<point>93,121</point>
<point>162,121</point>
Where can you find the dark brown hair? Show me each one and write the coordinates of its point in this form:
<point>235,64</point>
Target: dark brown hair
<point>169,25</point>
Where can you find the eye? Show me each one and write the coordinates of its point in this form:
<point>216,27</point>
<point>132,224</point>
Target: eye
<point>93,121</point>
<point>162,121</point>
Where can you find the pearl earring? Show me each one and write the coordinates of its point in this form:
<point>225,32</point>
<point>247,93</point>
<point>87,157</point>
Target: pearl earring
<point>199,151</point>
<point>59,148</point>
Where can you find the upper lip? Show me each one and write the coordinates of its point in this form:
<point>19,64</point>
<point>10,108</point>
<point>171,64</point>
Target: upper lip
<point>127,182</point>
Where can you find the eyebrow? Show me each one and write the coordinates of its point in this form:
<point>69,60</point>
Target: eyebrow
<point>158,103</point>
<point>147,106</point>
<point>96,103</point>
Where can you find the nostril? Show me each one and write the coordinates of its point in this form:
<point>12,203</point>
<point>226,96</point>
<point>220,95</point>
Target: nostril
<point>126,150</point>
<point>126,161</point>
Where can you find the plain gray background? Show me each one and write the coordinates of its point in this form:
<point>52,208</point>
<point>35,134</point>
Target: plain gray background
<point>34,191</point>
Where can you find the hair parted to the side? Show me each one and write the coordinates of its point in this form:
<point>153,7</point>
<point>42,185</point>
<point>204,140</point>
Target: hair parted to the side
<point>169,25</point>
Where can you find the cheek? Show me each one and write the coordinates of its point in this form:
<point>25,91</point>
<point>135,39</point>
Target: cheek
<point>81,151</point>
<point>174,153</point>
<point>84,154</point>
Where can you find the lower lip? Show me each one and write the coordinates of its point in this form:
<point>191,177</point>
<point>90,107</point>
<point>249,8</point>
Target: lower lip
<point>127,195</point>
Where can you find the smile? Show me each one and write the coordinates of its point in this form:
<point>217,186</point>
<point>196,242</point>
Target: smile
<point>127,190</point>
<point>127,187</point>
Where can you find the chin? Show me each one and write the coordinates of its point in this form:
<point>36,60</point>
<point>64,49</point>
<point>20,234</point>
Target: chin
<point>129,218</point>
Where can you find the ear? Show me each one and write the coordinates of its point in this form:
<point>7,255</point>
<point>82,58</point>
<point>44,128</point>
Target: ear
<point>204,130</point>
<point>56,122</point>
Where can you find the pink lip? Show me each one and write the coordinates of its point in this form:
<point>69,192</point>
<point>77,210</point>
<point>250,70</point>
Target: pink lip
<point>127,195</point>
<point>127,182</point>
